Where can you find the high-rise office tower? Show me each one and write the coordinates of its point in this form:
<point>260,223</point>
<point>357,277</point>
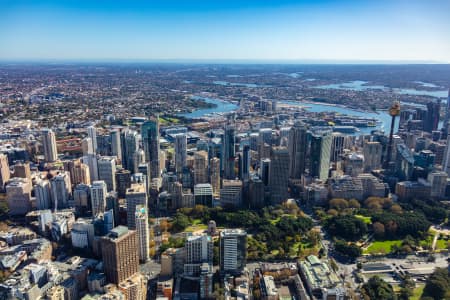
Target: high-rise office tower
<point>42,193</point>
<point>180,152</point>
<point>82,197</point>
<point>49,143</point>
<point>214,166</point>
<point>447,116</point>
<point>446,167</point>
<point>200,167</point>
<point>320,154</point>
<point>150,140</point>
<point>79,172</point>
<point>86,146</point>
<point>265,136</point>
<point>229,140</point>
<point>278,175</point>
<point>107,171</point>
<point>92,134</point>
<point>136,195</point>
<point>22,170</point>
<point>61,190</point>
<point>98,197</point>
<point>91,161</point>
<point>199,250</point>
<point>143,233</point>
<point>297,150</point>
<point>18,196</point>
<point>372,156</point>
<point>116,147</point>
<point>5,174</point>
<point>246,162</point>
<point>120,254</point>
<point>432,116</point>
<point>123,182</point>
<point>337,146</point>
<point>264,170</point>
<point>233,251</point>
<point>130,144</point>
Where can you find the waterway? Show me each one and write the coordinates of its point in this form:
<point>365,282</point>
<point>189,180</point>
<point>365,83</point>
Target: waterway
<point>226,107</point>
<point>359,85</point>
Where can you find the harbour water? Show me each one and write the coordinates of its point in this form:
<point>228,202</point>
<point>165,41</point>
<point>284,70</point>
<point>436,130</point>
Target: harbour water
<point>226,107</point>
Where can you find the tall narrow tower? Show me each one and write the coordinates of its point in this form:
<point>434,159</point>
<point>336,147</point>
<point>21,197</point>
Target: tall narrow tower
<point>49,143</point>
<point>394,111</point>
<point>150,139</point>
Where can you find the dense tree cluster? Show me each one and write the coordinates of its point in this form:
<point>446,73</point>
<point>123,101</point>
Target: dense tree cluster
<point>438,285</point>
<point>348,249</point>
<point>347,227</point>
<point>377,289</point>
<point>432,209</point>
<point>397,226</point>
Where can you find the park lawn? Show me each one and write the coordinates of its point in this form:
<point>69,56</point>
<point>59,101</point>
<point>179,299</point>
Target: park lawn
<point>441,244</point>
<point>367,220</point>
<point>381,247</point>
<point>197,222</point>
<point>275,221</point>
<point>417,293</point>
<point>196,227</point>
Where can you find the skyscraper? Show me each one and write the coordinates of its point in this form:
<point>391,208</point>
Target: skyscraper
<point>143,232</point>
<point>5,174</point>
<point>120,254</point>
<point>86,146</point>
<point>180,152</point>
<point>92,134</point>
<point>229,154</point>
<point>199,250</point>
<point>61,190</point>
<point>200,167</point>
<point>18,196</point>
<point>49,143</point>
<point>214,166</point>
<point>246,162</point>
<point>107,171</point>
<point>42,193</point>
<point>432,116</point>
<point>320,154</point>
<point>297,150</point>
<point>150,140</point>
<point>130,144</point>
<point>278,175</point>
<point>372,156</point>
<point>136,195</point>
<point>233,251</point>
<point>116,147</point>
<point>98,197</point>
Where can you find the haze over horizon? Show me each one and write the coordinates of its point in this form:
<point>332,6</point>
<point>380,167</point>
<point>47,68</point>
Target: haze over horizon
<point>229,31</point>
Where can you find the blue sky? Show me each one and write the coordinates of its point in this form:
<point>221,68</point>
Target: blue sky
<point>257,30</point>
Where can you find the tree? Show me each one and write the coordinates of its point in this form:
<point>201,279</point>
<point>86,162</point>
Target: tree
<point>353,203</point>
<point>180,222</point>
<point>378,230</point>
<point>338,204</point>
<point>377,288</point>
<point>438,285</point>
<point>347,227</point>
<point>348,249</point>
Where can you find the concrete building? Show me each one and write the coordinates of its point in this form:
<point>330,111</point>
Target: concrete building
<point>5,173</point>
<point>82,233</point>
<point>143,233</point>
<point>107,171</point>
<point>278,175</point>
<point>438,181</point>
<point>346,187</point>
<point>408,190</point>
<point>120,255</point>
<point>180,152</point>
<point>49,144</point>
<point>116,147</point>
<point>86,146</point>
<point>82,197</point>
<point>233,251</point>
<point>231,193</point>
<point>91,161</point>
<point>320,154</point>
<point>214,165</point>
<point>372,186</point>
<point>98,192</point>
<point>18,196</point>
<point>256,192</point>
<point>150,140</point>
<point>297,150</point>
<point>42,192</point>
<point>201,167</point>
<point>353,164</point>
<point>22,170</point>
<point>203,194</point>
<point>199,250</point>
<point>61,190</point>
<point>123,182</point>
<point>372,152</point>
<point>134,287</point>
<point>136,195</point>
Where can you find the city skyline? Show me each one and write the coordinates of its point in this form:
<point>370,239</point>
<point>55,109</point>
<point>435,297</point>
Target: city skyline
<point>195,31</point>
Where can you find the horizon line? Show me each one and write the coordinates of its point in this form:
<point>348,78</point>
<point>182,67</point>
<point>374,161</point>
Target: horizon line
<point>223,61</point>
